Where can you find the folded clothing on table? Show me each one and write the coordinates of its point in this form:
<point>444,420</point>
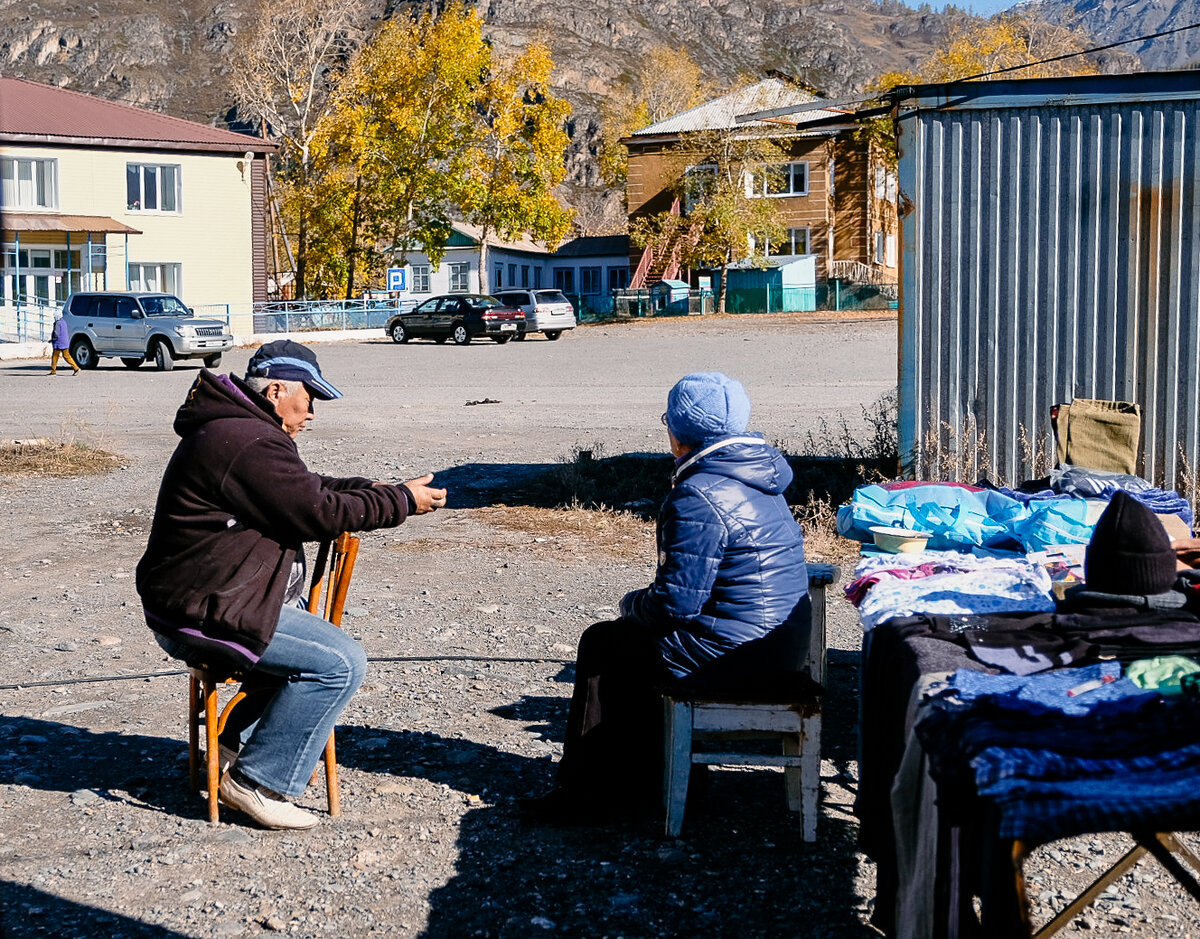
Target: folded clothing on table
<point>1126,759</point>
<point>947,583</point>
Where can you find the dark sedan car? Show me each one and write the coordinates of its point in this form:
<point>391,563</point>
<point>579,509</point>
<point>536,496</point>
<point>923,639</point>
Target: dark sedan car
<point>461,317</point>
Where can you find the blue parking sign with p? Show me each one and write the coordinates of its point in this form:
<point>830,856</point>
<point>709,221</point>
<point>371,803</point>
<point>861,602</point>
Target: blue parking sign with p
<point>396,279</point>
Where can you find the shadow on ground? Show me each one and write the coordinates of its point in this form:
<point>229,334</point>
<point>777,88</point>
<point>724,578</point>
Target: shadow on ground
<point>27,911</point>
<point>146,772</point>
<point>635,482</point>
<point>740,869</point>
<point>114,766</point>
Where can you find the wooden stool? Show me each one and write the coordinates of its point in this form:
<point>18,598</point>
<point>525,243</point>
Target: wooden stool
<point>792,715</point>
<point>203,683</point>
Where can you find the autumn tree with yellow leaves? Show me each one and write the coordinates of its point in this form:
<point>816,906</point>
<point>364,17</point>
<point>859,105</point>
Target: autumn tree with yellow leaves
<point>516,156</point>
<point>664,81</point>
<point>978,48</point>
<point>285,66</point>
<point>422,124</point>
<point>395,146</point>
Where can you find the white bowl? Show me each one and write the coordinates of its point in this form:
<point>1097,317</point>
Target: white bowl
<point>899,540</point>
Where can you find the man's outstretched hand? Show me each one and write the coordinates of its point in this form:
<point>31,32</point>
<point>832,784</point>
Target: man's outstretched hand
<point>426,498</point>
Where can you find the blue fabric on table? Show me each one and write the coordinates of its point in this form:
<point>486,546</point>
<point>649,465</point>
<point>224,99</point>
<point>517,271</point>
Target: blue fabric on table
<point>1124,763</point>
<point>1004,771</point>
<point>1098,484</point>
<point>1049,689</point>
<point>1052,522</point>
<point>959,519</point>
<point>1161,501</point>
<point>1160,801</point>
<point>956,518</point>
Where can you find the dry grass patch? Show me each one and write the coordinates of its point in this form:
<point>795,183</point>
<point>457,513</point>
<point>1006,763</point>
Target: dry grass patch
<point>621,534</point>
<point>818,519</point>
<point>42,458</point>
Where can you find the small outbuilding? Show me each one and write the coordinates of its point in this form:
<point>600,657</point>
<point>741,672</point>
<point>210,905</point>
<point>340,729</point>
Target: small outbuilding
<point>788,286</point>
<point>670,296</point>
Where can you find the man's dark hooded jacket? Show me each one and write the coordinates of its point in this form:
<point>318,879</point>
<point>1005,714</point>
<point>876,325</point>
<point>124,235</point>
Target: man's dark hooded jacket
<point>731,571</point>
<point>236,504</point>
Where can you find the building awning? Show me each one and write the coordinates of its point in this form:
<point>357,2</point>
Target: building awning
<point>91,224</point>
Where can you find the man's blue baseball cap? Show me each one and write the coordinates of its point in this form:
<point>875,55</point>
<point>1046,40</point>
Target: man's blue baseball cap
<point>290,361</point>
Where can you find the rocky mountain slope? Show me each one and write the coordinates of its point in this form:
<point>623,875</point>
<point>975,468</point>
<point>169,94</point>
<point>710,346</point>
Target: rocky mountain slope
<point>1117,20</point>
<point>175,56</point>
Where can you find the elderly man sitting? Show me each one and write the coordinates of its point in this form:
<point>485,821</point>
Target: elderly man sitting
<point>223,571</point>
<point>729,604</point>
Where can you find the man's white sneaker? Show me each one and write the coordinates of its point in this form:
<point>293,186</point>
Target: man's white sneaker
<point>268,808</point>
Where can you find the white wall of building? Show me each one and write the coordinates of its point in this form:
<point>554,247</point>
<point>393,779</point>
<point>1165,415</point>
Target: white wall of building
<point>209,236</point>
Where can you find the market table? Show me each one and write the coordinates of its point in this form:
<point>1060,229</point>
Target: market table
<point>936,851</point>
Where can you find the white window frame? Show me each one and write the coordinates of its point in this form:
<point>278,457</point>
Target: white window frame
<point>885,249</point>
<point>764,248</point>
<point>168,277</point>
<point>794,236</point>
<point>35,188</point>
<point>420,278</point>
<point>885,184</point>
<point>757,181</point>
<point>692,175</point>
<point>460,277</point>
<point>137,206</point>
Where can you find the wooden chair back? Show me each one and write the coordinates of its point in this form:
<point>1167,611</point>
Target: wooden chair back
<point>344,549</point>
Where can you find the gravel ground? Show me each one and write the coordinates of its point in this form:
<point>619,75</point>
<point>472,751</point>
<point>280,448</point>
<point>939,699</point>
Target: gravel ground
<point>470,617</point>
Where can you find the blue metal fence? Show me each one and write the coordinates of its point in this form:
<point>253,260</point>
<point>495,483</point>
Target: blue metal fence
<point>28,321</point>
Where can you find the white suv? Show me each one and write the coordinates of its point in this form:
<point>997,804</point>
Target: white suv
<point>141,326</point>
<point>546,311</point>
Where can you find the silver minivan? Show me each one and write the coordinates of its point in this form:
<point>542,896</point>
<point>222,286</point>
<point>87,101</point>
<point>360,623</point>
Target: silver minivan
<point>141,326</point>
<point>546,311</point>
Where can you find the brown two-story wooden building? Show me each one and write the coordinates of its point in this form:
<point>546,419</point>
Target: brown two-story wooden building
<point>839,202</point>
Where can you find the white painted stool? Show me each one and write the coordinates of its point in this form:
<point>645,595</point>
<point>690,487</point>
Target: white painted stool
<point>793,717</point>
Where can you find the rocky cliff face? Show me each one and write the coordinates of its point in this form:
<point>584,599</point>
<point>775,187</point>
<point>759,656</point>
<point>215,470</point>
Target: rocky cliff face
<point>164,56</point>
<point>1116,20</point>
<point>174,56</point>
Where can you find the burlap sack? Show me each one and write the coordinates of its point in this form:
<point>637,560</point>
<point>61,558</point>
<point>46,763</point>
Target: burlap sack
<point>1103,435</point>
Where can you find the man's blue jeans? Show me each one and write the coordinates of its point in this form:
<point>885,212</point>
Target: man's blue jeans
<point>312,669</point>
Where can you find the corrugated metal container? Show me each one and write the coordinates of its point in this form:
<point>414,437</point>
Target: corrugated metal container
<point>1051,250</point>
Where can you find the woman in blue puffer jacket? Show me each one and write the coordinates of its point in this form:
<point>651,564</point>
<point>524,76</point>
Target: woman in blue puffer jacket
<point>728,606</point>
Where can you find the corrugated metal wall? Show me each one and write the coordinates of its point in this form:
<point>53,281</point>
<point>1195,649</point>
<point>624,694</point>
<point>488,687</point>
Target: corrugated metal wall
<point>1051,250</point>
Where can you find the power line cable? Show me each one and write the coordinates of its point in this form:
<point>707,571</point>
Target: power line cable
<point>1071,55</point>
<point>383,658</point>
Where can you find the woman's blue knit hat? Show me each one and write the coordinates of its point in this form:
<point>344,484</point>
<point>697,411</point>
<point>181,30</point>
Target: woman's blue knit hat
<point>706,406</point>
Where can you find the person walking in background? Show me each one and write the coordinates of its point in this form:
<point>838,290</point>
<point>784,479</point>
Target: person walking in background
<point>60,341</point>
